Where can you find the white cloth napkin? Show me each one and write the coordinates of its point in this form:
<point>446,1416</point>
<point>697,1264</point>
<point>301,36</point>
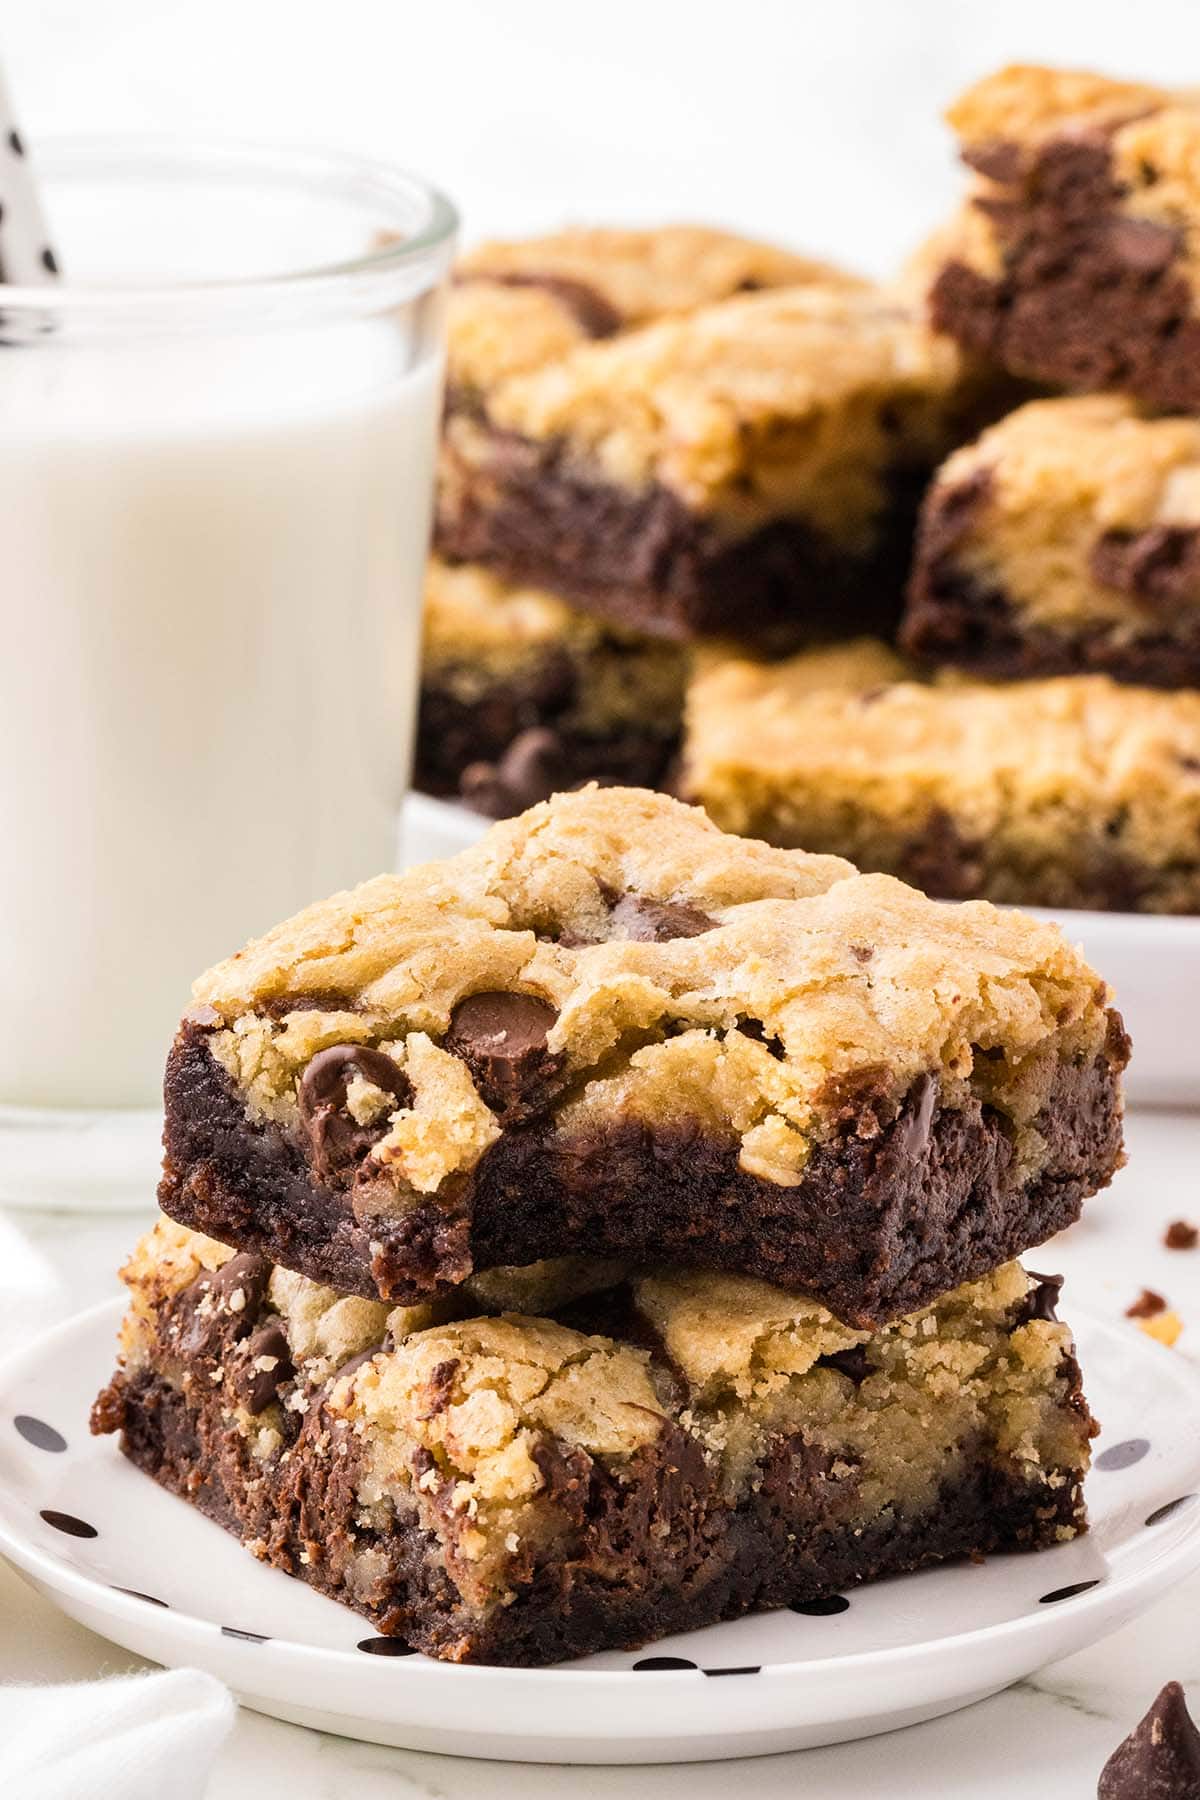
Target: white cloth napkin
<point>141,1737</point>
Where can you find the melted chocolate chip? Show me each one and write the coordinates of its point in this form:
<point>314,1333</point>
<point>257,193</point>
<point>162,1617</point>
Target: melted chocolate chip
<point>1160,1759</point>
<point>501,1036</point>
<point>853,1363</point>
<point>914,1124</point>
<point>338,1143</point>
<point>646,921</point>
<point>1041,1301</point>
<point>268,1345</point>
<point>591,310</point>
<point>223,1304</point>
<point>530,770</point>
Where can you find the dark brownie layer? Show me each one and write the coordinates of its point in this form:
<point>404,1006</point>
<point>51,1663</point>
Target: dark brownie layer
<point>952,616</point>
<point>512,746</point>
<point>657,1552</point>
<point>902,1203</point>
<point>1089,298</point>
<point>644,561</point>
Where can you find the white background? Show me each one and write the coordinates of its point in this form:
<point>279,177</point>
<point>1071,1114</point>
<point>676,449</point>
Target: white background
<point>814,121</point>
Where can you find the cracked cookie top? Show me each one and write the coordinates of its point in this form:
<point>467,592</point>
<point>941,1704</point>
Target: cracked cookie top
<point>517,304</point>
<point>612,954</point>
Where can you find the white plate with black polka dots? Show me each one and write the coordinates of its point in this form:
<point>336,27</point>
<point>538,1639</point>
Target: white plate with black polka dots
<point>131,1562</point>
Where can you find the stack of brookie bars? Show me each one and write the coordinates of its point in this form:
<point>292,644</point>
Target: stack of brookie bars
<point>612,1230</point>
<point>715,518</point>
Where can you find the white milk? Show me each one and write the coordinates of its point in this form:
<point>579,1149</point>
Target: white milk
<point>211,560</point>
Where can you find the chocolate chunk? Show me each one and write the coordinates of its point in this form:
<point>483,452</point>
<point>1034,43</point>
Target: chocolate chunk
<point>338,1142</point>
<point>852,1363</point>
<point>647,921</point>
<point>501,1037</point>
<point>1160,1759</point>
<point>267,1345</point>
<point>1147,1305</point>
<point>1140,244</point>
<point>1159,566</point>
<point>1041,1301</point>
<point>529,771</point>
<point>914,1123</point>
<point>1181,1236</point>
<point>222,1304</point>
<point>439,1387</point>
<point>591,310</point>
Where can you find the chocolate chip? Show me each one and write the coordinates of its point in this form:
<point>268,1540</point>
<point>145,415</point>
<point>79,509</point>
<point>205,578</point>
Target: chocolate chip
<point>1140,244</point>
<point>530,770</point>
<point>862,952</point>
<point>1041,1301</point>
<point>501,1036</point>
<point>1181,1236</point>
<point>338,1143</point>
<point>645,921</point>
<point>223,1304</point>
<point>1147,1305</point>
<point>852,1363</point>
<point>267,1345</point>
<point>39,1434</point>
<point>911,1136</point>
<point>1160,1759</point>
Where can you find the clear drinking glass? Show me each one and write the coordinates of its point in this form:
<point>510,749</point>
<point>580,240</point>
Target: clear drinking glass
<point>217,436</point>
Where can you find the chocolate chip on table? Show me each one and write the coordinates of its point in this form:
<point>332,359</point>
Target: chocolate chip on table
<point>338,1142</point>
<point>530,770</point>
<point>646,921</point>
<point>1179,1235</point>
<point>1147,1304</point>
<point>1160,1759</point>
<point>501,1036</point>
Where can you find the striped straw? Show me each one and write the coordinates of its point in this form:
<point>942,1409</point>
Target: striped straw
<point>27,257</point>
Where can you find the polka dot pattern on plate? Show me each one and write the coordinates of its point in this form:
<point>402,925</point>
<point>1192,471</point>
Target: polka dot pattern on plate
<point>244,1637</point>
<point>1123,1455</point>
<point>654,1664</point>
<point>39,1434</point>
<point>1173,1506</point>
<point>386,1646</point>
<point>746,1669</point>
<point>1067,1593</point>
<point>67,1522</point>
<point>822,1609</point>
<point>136,1594</point>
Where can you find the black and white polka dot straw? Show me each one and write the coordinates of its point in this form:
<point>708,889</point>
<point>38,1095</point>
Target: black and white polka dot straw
<point>27,256</point>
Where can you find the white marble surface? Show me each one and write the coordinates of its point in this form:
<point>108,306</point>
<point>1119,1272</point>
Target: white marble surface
<point>1047,1735</point>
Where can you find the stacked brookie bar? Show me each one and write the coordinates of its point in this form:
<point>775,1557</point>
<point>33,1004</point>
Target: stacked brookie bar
<point>781,1129</point>
<point>714,497</point>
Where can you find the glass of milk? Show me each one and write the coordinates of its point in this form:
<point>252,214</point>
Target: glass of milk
<point>217,438</point>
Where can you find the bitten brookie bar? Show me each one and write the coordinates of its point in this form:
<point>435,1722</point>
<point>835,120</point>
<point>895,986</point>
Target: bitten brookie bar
<point>512,1489</point>
<point>611,1029</point>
